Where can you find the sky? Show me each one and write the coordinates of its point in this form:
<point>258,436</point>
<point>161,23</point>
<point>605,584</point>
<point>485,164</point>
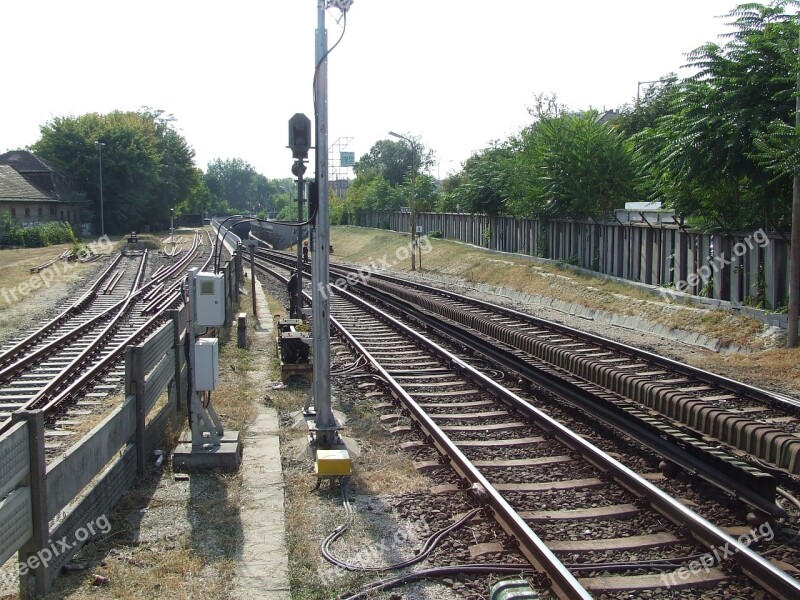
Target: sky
<point>455,74</point>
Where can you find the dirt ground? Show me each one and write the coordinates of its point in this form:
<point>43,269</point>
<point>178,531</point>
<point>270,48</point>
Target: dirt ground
<point>177,538</point>
<point>764,362</point>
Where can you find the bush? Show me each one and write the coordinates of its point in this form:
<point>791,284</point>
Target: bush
<point>36,236</point>
<point>32,237</point>
<point>435,234</point>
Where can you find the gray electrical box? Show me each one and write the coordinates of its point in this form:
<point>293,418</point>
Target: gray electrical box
<point>209,299</point>
<point>206,364</point>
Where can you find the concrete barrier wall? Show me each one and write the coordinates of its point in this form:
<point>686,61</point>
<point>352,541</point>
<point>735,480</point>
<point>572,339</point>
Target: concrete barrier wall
<point>747,268</point>
<point>33,493</point>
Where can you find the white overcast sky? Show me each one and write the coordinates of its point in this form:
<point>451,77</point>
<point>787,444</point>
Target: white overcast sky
<point>456,73</point>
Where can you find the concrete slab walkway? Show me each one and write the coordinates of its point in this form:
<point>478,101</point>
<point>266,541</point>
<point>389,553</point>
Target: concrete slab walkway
<point>263,569</point>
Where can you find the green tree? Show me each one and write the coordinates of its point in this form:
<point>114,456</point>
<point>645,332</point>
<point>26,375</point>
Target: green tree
<point>147,165</point>
<point>379,195</point>
<point>426,196</point>
<point>655,103</point>
<point>710,156</point>
<point>482,188</point>
<point>236,182</point>
<point>570,166</point>
<point>392,160</point>
<point>447,201</point>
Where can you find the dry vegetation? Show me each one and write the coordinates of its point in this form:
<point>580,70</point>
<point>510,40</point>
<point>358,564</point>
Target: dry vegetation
<point>176,537</point>
<point>765,364</point>
<point>25,297</point>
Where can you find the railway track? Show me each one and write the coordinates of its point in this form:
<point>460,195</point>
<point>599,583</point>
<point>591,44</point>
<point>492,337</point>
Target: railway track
<point>519,460</point>
<point>74,361</point>
<point>707,410</point>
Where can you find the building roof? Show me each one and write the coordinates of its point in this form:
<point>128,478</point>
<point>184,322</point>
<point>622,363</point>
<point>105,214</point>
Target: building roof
<point>14,187</point>
<point>25,162</point>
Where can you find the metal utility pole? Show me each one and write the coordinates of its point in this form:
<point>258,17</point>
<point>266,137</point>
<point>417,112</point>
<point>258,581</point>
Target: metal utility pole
<point>794,274</point>
<point>300,169</point>
<point>324,422</point>
<point>100,146</point>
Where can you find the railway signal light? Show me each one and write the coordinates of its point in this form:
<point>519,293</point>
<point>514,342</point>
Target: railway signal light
<point>299,135</point>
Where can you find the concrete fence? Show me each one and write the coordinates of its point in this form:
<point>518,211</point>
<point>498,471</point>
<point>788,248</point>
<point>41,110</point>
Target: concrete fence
<point>108,459</point>
<point>119,447</point>
<point>750,268</point>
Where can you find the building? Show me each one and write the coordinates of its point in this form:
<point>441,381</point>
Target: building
<point>32,192</point>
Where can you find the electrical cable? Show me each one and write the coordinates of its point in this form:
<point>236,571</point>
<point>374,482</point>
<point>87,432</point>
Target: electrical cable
<point>793,500</point>
<point>310,220</point>
<point>356,366</point>
<point>324,57</point>
<point>314,89</point>
<point>428,547</point>
<point>472,569</point>
<point>250,220</point>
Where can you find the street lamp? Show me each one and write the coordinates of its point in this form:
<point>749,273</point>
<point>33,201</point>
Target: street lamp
<point>413,213</point>
<point>100,146</point>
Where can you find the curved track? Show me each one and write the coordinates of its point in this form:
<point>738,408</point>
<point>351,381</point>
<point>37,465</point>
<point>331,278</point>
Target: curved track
<point>76,355</point>
<point>517,459</point>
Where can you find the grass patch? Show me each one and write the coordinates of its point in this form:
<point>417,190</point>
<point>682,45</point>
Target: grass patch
<point>364,246</point>
<point>361,245</point>
<point>176,538</point>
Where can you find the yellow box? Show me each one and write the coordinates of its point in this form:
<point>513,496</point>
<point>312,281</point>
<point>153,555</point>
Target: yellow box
<point>333,463</point>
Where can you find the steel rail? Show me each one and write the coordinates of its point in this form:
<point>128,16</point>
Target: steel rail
<point>731,385</point>
<point>83,380</point>
<point>86,378</point>
<point>74,309</point>
<point>759,569</point>
<point>96,342</point>
<point>9,371</point>
<point>530,545</point>
<point>754,487</point>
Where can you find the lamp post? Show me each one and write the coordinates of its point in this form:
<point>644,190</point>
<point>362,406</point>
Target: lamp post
<point>172,229</point>
<point>100,146</point>
<point>413,212</point>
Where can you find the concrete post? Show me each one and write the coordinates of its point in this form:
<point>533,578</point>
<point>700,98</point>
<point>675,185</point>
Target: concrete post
<point>241,330</point>
<point>37,581</point>
<point>134,386</point>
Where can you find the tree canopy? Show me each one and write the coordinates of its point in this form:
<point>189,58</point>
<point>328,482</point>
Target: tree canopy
<point>716,151</point>
<point>147,165</point>
<point>719,146</point>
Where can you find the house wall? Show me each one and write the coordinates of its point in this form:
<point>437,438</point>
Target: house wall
<point>40,212</point>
